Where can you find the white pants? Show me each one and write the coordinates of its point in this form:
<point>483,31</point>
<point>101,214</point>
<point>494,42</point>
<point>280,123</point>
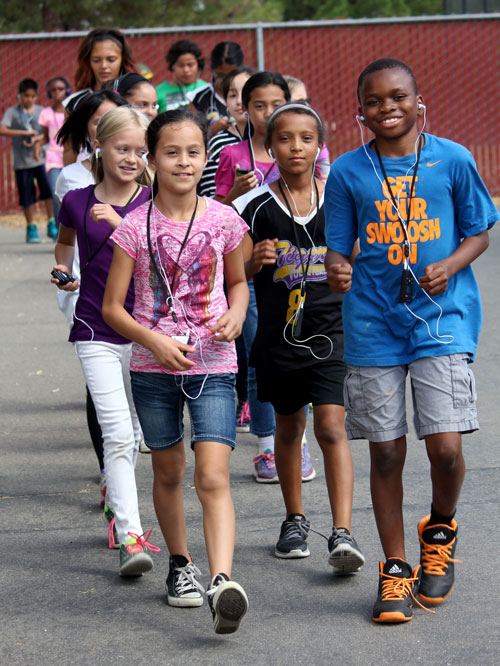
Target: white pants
<point>106,369</point>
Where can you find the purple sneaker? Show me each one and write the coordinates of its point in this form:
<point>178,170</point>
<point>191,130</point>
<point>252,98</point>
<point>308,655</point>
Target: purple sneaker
<point>308,471</point>
<point>265,468</point>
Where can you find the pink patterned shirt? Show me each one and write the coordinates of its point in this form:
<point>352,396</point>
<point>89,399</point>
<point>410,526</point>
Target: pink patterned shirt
<point>197,281</point>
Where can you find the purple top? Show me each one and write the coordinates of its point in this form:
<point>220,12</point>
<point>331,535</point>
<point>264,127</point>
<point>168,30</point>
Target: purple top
<point>88,322</point>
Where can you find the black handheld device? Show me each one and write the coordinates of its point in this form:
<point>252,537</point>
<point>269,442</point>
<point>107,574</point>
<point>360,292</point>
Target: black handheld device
<point>242,172</point>
<point>406,289</point>
<point>63,277</point>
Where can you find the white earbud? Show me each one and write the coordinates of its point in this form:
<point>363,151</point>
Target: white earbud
<point>360,118</point>
<point>270,153</point>
<point>318,152</point>
<point>97,153</point>
<point>422,106</point>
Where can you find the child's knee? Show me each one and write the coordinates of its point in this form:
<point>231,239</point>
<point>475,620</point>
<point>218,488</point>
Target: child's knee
<point>330,432</point>
<point>209,480</point>
<point>445,453</point>
<point>387,459</point>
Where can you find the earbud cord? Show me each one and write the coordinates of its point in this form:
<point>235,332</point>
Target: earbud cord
<point>406,235</point>
<point>253,164</point>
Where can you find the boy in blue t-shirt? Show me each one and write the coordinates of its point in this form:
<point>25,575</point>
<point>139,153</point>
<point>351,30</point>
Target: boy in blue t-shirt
<point>20,122</point>
<point>421,213</point>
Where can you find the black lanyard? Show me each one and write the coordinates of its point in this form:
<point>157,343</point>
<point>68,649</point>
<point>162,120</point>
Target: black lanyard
<point>170,292</point>
<point>410,197</point>
<point>121,214</point>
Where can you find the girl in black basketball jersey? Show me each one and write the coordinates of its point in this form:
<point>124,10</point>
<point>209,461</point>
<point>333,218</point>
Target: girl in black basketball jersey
<point>298,347</point>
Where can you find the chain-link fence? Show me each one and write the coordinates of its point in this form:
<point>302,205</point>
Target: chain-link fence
<point>455,60</point>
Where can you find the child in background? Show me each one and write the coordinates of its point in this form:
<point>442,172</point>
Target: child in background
<point>51,120</point>
<point>232,85</point>
<point>224,57</point>
<point>139,93</point>
<point>247,164</point>
<point>90,214</point>
<point>179,248</point>
<point>186,62</point>
<point>20,123</point>
<point>262,93</point>
<point>298,346</point>
<point>411,306</point>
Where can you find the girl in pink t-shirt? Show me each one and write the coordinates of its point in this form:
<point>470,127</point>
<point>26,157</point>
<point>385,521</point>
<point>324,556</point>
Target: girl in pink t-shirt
<point>179,248</point>
<point>51,120</point>
<point>246,165</point>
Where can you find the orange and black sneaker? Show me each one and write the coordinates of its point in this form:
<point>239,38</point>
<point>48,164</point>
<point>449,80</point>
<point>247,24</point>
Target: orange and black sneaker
<point>437,548</point>
<point>395,592</point>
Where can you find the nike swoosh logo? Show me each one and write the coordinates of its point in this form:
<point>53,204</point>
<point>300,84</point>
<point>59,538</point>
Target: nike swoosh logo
<point>429,164</point>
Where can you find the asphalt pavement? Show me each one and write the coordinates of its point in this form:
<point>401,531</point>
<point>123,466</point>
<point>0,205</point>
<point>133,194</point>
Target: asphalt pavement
<point>62,600</point>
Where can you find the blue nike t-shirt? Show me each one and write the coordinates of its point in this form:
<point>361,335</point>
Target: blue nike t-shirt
<point>450,203</point>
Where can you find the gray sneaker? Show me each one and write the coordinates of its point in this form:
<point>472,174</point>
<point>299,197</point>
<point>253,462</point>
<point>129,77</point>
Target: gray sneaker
<point>344,553</point>
<point>292,542</point>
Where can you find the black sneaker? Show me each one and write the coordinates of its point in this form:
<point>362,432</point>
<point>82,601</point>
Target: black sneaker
<point>228,603</point>
<point>395,592</point>
<point>182,588</point>
<point>293,535</point>
<point>437,548</point>
<point>344,553</point>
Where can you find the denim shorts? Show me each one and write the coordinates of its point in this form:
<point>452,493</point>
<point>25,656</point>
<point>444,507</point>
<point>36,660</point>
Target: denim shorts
<point>443,392</point>
<point>159,401</point>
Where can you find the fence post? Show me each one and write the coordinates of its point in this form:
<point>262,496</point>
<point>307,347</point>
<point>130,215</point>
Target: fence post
<point>259,34</point>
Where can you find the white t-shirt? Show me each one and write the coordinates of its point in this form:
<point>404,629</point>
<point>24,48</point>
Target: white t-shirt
<point>72,177</point>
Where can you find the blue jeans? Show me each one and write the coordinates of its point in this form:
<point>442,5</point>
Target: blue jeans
<point>159,401</point>
<point>262,421</point>
<point>52,177</point>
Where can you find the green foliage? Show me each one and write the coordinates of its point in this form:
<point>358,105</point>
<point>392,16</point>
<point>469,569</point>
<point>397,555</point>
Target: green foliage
<point>50,15</point>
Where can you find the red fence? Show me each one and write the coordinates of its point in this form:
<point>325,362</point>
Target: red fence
<point>455,62</point>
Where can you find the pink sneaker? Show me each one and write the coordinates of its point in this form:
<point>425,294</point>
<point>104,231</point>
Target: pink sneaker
<point>265,468</point>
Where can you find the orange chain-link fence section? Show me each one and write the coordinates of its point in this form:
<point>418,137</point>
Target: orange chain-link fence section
<point>455,62</point>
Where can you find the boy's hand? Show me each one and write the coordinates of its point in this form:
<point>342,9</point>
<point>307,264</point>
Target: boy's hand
<point>168,353</point>
<point>435,279</point>
<point>104,212</point>
<point>264,253</point>
<point>339,277</point>
<point>229,325</point>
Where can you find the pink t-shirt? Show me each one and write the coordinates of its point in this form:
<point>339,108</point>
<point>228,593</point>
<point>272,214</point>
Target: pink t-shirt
<point>53,121</point>
<point>197,281</point>
<point>239,153</point>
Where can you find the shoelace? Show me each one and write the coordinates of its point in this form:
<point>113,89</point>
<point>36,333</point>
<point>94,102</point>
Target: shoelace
<point>140,543</point>
<point>435,558</point>
<point>215,584</point>
<point>268,458</point>
<point>294,528</point>
<point>396,589</point>
<point>245,413</point>
<point>187,578</point>
<point>111,533</point>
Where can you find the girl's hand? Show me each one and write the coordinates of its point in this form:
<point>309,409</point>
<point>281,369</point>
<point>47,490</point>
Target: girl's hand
<point>229,325</point>
<point>104,212</point>
<point>243,184</point>
<point>264,253</point>
<point>339,277</point>
<point>435,279</point>
<point>168,353</point>
<point>69,286</point>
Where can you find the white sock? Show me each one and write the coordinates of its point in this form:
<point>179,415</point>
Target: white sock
<point>266,444</point>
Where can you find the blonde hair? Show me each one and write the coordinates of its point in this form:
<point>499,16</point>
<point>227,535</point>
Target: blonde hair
<point>121,119</point>
<point>293,83</point>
